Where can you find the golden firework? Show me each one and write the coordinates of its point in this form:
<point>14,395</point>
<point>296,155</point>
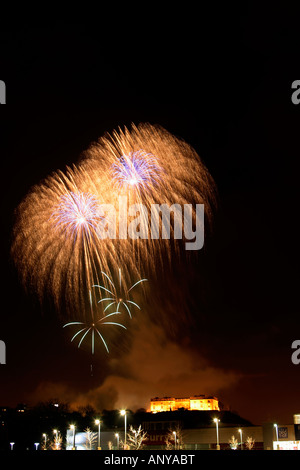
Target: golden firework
<point>97,215</point>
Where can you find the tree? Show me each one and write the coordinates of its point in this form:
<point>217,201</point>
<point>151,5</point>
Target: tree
<point>233,442</point>
<point>110,445</point>
<point>174,438</point>
<point>56,443</point>
<point>250,443</point>
<point>136,438</point>
<point>90,438</point>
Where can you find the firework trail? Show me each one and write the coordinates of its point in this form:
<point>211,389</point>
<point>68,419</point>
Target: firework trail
<point>119,295</point>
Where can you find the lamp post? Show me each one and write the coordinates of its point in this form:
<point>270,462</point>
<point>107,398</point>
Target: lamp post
<point>123,413</point>
<point>98,422</point>
<point>117,436</point>
<point>276,428</point>
<point>216,420</point>
<point>73,428</point>
<point>45,438</point>
<point>56,438</point>
<point>175,439</point>
<point>241,433</point>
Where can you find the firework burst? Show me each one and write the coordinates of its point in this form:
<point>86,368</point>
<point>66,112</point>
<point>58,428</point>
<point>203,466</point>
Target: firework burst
<point>148,166</point>
<point>56,243</point>
<point>138,170</point>
<point>78,215</point>
<point>92,330</point>
<point>119,296</point>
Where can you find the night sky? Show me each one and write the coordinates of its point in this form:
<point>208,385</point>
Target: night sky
<point>222,82</point>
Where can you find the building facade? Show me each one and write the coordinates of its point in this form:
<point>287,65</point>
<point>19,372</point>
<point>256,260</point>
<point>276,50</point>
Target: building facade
<point>193,434</point>
<point>197,402</point>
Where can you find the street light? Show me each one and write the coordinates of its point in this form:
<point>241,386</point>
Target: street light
<point>45,437</point>
<point>117,436</point>
<point>216,420</point>
<point>56,438</point>
<point>175,439</point>
<point>123,413</point>
<point>276,428</point>
<point>73,428</point>
<point>36,445</point>
<point>98,422</point>
<point>12,445</point>
<point>241,433</point>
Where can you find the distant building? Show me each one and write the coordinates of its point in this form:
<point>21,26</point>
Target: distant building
<point>197,402</point>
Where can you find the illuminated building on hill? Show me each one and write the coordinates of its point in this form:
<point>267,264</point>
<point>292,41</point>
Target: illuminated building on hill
<point>197,402</point>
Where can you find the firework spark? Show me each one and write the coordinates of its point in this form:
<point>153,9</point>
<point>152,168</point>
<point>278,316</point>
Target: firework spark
<point>119,296</point>
<point>92,329</point>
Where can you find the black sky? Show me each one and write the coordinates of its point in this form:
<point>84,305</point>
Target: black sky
<point>221,81</point>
